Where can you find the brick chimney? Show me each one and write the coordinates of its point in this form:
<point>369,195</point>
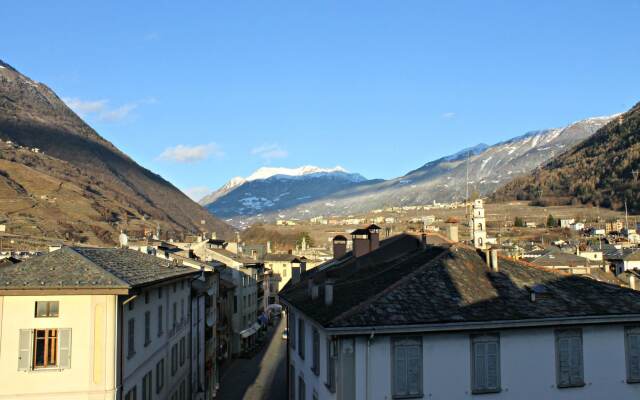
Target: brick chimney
<point>339,246</point>
<point>374,237</point>
<point>361,244</point>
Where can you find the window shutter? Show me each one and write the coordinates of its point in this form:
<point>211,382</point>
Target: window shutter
<point>400,371</point>
<point>492,365</point>
<point>479,364</point>
<point>633,356</point>
<point>575,344</point>
<point>26,344</point>
<point>564,369</point>
<point>65,348</point>
<point>413,370</point>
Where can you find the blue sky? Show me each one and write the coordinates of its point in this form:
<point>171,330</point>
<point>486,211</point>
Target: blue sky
<point>200,92</point>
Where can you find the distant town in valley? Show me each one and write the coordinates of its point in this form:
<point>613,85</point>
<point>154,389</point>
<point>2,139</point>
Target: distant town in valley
<point>496,266</point>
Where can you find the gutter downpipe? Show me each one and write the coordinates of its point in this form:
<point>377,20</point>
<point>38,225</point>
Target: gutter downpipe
<point>369,340</point>
<point>120,357</point>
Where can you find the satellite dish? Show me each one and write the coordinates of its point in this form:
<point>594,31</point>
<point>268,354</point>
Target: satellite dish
<point>123,239</point>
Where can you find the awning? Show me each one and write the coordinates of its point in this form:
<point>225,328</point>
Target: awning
<point>250,331</point>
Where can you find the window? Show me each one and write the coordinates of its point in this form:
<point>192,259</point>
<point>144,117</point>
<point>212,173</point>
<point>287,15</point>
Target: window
<point>407,367</point>
<point>331,365</point>
<point>46,309</point>
<point>146,301</point>
<point>147,329</point>
<point>183,390</point>
<point>131,394</point>
<point>485,364</point>
<point>175,287</point>
<point>632,344</point>
<point>292,330</point>
<point>131,338</point>
<point>235,304</point>
<point>301,338</point>
<point>183,350</point>
<point>292,382</point>
<point>160,324</point>
<point>569,367</point>
<point>302,388</point>
<point>159,376</point>
<point>45,348</point>
<point>316,352</point>
<point>159,292</point>
<point>182,285</point>
<point>146,386</point>
<point>182,316</point>
<point>174,359</point>
<point>175,314</point>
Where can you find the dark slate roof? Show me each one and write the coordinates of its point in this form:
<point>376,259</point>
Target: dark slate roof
<point>560,258</point>
<point>339,238</point>
<point>439,284</point>
<point>279,257</point>
<point>89,268</point>
<point>360,231</point>
<point>635,256</point>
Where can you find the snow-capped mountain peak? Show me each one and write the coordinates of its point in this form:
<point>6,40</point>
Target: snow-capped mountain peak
<point>268,172</point>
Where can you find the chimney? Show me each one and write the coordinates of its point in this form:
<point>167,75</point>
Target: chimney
<point>339,246</point>
<point>328,292</point>
<point>360,239</point>
<point>295,274</point>
<point>315,290</point>
<point>303,265</point>
<point>423,241</point>
<point>494,260</point>
<point>374,237</point>
<point>452,231</point>
<point>269,247</point>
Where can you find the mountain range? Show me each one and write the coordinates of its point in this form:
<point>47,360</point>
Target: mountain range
<point>443,180</point>
<point>59,178</point>
<point>602,170</point>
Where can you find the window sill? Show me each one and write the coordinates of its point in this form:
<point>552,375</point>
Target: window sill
<point>577,385</point>
<point>45,369</point>
<point>486,391</point>
<point>632,381</point>
<point>407,396</point>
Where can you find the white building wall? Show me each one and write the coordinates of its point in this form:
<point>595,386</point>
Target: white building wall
<point>528,366</point>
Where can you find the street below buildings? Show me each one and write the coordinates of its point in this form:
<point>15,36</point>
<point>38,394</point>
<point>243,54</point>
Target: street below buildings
<point>262,377</point>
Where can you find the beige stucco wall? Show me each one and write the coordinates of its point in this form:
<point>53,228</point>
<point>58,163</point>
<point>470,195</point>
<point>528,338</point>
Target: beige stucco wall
<point>93,325</point>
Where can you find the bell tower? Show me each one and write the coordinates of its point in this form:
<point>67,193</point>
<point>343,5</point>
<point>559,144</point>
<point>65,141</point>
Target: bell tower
<point>479,225</point>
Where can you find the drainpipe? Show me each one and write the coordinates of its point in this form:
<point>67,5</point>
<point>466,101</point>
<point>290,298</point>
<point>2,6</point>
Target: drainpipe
<point>369,340</point>
<point>121,336</point>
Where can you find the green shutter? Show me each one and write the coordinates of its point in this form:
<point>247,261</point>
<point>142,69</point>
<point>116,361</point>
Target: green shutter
<point>575,344</point>
<point>564,367</point>
<point>480,372</point>
<point>633,356</point>
<point>492,365</point>
<point>25,355</point>
<point>65,348</point>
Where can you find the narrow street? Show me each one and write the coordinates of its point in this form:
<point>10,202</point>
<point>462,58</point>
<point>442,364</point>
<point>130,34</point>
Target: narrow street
<point>262,377</point>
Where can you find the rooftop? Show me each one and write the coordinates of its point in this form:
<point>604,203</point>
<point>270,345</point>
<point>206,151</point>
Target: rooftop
<point>118,270</point>
<point>560,258</point>
<point>402,284</point>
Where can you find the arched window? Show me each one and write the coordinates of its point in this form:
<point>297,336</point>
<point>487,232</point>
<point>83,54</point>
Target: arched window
<point>479,226</point>
<point>480,241</point>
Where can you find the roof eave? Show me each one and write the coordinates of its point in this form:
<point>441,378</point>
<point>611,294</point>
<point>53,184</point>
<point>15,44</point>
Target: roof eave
<point>484,325</point>
<point>64,291</point>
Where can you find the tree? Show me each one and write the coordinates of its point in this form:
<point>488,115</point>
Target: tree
<point>519,222</point>
<point>551,222</point>
<point>307,239</point>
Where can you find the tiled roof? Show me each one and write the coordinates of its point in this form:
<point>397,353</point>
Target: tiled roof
<point>560,258</point>
<point>635,256</point>
<point>89,268</point>
<point>279,257</point>
<point>233,256</point>
<point>439,284</point>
